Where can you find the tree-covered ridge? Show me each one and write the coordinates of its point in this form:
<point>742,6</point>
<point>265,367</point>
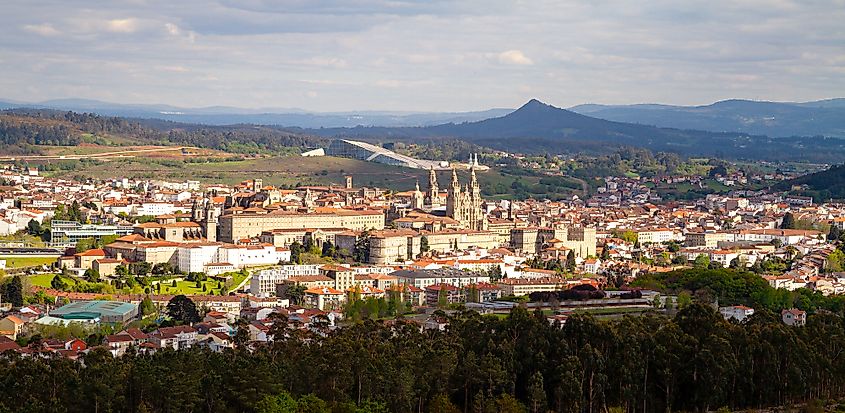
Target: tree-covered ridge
<point>822,186</point>
<point>694,362</point>
<point>21,127</point>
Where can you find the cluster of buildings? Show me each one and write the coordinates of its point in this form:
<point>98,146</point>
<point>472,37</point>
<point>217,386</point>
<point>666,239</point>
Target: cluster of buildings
<point>423,247</point>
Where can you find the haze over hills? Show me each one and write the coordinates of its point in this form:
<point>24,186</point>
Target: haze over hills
<point>226,115</point>
<point>776,119</point>
<point>538,127</point>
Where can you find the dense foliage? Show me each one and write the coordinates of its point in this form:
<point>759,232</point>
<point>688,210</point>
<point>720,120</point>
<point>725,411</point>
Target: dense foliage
<point>821,186</point>
<point>22,127</point>
<point>696,361</point>
<point>734,287</point>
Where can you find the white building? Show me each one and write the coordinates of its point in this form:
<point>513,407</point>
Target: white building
<point>738,312</point>
<point>241,256</point>
<point>194,257</point>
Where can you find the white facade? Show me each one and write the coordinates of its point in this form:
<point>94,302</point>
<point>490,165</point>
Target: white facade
<point>154,208</point>
<point>738,312</point>
<point>244,256</point>
<point>193,258</point>
<point>264,282</point>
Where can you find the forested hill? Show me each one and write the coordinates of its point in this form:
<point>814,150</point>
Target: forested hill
<point>824,185</point>
<point>22,131</point>
<point>778,119</point>
<point>538,127</point>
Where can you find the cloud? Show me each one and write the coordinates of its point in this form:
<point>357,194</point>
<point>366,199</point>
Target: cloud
<point>431,55</point>
<point>129,25</point>
<point>45,29</point>
<point>514,57</point>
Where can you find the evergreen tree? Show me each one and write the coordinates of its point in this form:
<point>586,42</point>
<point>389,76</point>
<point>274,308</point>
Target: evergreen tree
<point>147,307</point>
<point>57,283</point>
<point>181,308</point>
<point>835,233</point>
<point>92,275</point>
<point>12,291</point>
<point>570,261</point>
<point>788,221</point>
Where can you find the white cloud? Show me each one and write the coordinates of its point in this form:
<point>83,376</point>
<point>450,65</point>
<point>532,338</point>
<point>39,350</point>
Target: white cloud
<point>421,55</point>
<point>129,25</point>
<point>514,57</point>
<point>45,29</point>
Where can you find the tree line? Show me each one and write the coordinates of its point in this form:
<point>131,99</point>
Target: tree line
<point>695,361</point>
<point>22,127</point>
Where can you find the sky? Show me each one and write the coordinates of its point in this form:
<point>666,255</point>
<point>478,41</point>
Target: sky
<point>434,55</point>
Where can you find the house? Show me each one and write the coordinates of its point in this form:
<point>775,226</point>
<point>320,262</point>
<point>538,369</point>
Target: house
<point>177,338</point>
<point>11,326</point>
<point>592,265</point>
<point>324,298</point>
<point>118,344</point>
<point>794,317</point>
<point>216,341</point>
<point>106,267</point>
<point>447,292</point>
<point>737,312</point>
<point>7,344</point>
<point>85,260</point>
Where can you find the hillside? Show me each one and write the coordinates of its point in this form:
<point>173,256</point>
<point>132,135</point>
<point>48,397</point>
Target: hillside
<point>537,127</point>
<point>777,119</point>
<point>290,117</point>
<point>822,185</point>
<point>28,131</point>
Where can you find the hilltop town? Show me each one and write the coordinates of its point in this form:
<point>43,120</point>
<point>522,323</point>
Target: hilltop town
<point>243,253</point>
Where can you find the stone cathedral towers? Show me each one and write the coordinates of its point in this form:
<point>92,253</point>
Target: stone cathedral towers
<point>464,204</point>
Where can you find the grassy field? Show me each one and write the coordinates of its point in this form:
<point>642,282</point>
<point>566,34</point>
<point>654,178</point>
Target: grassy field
<point>279,171</point>
<point>287,171</point>
<point>19,262</point>
<point>190,287</point>
<point>40,280</point>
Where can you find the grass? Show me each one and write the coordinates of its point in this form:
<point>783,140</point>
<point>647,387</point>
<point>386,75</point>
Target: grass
<point>190,287</point>
<point>288,171</point>
<point>20,262</point>
<point>40,280</point>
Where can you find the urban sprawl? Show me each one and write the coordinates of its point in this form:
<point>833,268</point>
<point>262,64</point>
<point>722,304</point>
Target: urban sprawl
<point>180,264</point>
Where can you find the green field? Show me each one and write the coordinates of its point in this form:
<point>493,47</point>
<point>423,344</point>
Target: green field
<point>20,262</point>
<point>286,171</point>
<point>40,280</point>
<point>190,287</point>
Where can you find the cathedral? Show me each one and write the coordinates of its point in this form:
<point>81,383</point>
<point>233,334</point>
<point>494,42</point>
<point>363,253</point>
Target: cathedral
<point>463,204</point>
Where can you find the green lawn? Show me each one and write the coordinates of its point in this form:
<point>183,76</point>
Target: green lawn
<point>41,280</point>
<point>19,262</point>
<point>190,287</point>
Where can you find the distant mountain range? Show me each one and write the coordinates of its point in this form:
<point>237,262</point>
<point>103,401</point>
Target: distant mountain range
<point>777,119</point>
<point>728,129</point>
<point>537,127</point>
<point>291,117</point>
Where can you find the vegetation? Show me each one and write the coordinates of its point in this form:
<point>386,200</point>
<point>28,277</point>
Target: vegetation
<point>22,262</point>
<point>738,287</point>
<point>182,309</point>
<point>694,362</point>
<point>822,186</point>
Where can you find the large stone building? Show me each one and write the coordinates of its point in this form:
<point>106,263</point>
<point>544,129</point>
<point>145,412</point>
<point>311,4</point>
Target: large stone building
<point>534,240</point>
<point>400,245</point>
<point>464,204</point>
<point>240,224</point>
